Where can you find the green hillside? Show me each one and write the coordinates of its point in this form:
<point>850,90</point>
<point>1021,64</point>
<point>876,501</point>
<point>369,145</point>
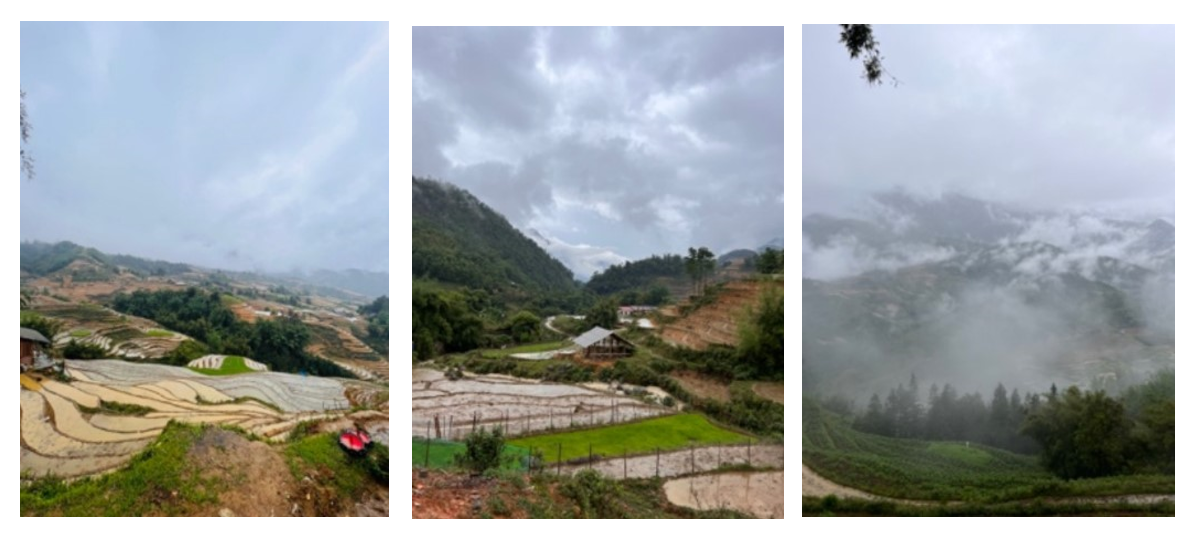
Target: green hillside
<point>458,239</point>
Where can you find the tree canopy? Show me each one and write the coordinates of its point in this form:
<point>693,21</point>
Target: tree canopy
<point>859,41</point>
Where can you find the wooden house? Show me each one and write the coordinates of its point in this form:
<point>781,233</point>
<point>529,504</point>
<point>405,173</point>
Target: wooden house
<point>601,344</point>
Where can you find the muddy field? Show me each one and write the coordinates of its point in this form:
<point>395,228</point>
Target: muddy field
<point>773,391</point>
<point>757,493</point>
<point>681,462</point>
<point>521,406</point>
<point>702,385</point>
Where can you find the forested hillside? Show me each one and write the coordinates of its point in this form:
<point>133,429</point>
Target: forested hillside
<point>636,274</point>
<point>459,240</point>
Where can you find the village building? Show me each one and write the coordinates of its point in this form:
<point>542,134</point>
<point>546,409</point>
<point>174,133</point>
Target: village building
<point>629,311</point>
<point>601,344</point>
<point>32,347</point>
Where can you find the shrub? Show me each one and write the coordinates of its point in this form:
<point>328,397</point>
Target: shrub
<point>483,451</point>
<point>75,350</point>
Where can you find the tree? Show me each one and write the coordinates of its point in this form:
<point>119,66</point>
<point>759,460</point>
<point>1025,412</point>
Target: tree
<point>524,326</point>
<point>602,314</point>
<point>761,348</point>
<point>1082,434</point>
<point>483,450</point>
<point>699,262</point>
<point>26,128</point>
<point>858,39</point>
<point>770,261</point>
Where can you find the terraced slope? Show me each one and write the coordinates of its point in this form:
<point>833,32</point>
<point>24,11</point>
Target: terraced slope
<point>66,430</point>
<point>715,323</point>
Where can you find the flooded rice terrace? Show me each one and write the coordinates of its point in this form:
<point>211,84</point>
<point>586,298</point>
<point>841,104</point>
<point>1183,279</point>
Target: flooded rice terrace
<point>520,406</point>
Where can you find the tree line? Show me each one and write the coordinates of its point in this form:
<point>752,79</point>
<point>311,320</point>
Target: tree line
<point>1076,433</point>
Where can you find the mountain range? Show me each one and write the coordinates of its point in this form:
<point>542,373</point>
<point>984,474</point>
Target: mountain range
<point>973,292</point>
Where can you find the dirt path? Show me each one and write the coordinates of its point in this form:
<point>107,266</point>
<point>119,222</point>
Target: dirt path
<point>814,485</point>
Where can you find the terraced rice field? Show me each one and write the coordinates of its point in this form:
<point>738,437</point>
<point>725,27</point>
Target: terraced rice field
<point>522,406</point>
<point>715,323</point>
<point>662,433</point>
<point>61,435</point>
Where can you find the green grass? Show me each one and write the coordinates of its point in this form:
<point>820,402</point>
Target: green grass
<point>665,433</point>
<point>159,333</point>
<point>526,349</point>
<point>156,482</point>
<point>321,455</point>
<point>123,334</point>
<point>943,471</point>
<point>80,333</point>
<point>442,454</point>
<point>232,365</point>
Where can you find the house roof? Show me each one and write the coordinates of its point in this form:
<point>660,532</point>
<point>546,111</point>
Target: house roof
<point>594,335</point>
<point>29,334</point>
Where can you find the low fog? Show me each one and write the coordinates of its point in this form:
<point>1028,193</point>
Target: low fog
<point>1022,298</point>
<point>999,210</point>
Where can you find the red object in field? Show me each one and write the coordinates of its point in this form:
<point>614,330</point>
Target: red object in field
<point>354,440</point>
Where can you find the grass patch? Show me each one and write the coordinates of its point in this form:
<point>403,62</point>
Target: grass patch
<point>442,454</point>
<point>320,456</point>
<point>527,349</point>
<point>159,333</point>
<point>116,408</point>
<point>80,333</point>
<point>156,482</point>
<point>942,471</point>
<point>123,334</point>
<point>232,365</point>
<point>665,433</point>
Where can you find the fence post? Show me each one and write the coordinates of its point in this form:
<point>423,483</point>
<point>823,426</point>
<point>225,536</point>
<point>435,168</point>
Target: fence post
<point>657,466</point>
<point>427,458</point>
<point>589,456</point>
<point>559,473</point>
<point>749,455</point>
<point>625,455</point>
<point>692,458</point>
<point>551,420</point>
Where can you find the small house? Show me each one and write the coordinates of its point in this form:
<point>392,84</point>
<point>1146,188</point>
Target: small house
<point>600,344</point>
<point>32,344</point>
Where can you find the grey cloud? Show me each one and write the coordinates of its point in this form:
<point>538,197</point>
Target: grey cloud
<point>666,138</point>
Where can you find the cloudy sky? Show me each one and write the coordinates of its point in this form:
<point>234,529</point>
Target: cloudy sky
<point>240,146</point>
<point>1048,117</point>
<point>611,143</point>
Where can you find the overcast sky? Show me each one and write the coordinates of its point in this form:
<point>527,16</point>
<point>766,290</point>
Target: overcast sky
<point>240,146</point>
<point>612,143</point>
<point>1043,116</point>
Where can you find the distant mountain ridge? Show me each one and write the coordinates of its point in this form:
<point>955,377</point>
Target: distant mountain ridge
<point>89,264</point>
<point>460,240</point>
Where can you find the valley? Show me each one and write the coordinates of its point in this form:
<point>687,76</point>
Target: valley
<point>676,416</point>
